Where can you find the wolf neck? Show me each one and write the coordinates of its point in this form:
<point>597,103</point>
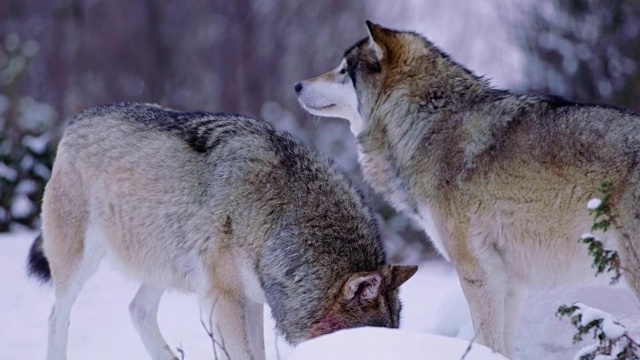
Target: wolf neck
<point>416,137</point>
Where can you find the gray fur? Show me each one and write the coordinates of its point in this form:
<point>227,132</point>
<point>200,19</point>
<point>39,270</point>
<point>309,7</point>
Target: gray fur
<point>178,194</point>
<point>500,181</point>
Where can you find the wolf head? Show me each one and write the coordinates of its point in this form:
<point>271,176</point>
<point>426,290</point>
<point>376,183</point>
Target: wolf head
<point>365,299</point>
<point>381,70</point>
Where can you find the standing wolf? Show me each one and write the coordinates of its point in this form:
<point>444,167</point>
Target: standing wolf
<point>221,205</point>
<point>499,181</point>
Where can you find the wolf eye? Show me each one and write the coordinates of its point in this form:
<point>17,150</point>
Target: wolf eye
<point>343,71</point>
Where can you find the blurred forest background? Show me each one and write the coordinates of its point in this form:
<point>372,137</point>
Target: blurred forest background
<point>58,57</point>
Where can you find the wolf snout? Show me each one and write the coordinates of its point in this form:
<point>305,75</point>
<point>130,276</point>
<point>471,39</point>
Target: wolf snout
<point>297,87</point>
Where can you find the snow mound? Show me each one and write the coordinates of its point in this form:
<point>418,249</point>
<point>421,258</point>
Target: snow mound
<point>391,344</point>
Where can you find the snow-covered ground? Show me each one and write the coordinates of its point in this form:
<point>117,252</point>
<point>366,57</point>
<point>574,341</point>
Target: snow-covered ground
<point>433,304</point>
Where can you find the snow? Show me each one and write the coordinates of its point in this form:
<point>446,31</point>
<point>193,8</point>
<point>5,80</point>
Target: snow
<point>432,305</point>
<point>611,331</point>
<point>30,48</point>
<point>589,349</point>
<point>35,116</point>
<point>7,172</point>
<point>27,162</point>
<point>26,186</point>
<point>21,207</point>
<point>610,326</point>
<point>37,144</point>
<point>388,344</point>
<point>594,204</point>
<point>42,171</point>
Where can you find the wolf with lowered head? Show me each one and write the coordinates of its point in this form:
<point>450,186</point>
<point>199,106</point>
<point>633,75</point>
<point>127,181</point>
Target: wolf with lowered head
<point>224,206</point>
<point>499,181</point>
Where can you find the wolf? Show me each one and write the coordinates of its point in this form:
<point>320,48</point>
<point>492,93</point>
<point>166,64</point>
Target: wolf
<point>499,181</point>
<point>220,205</point>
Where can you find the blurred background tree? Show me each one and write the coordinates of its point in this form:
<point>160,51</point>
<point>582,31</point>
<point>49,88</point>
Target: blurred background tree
<point>584,50</point>
<point>58,57</point>
<point>26,151</point>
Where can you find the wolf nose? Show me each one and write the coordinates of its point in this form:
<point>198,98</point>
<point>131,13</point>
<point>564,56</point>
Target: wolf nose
<point>297,87</point>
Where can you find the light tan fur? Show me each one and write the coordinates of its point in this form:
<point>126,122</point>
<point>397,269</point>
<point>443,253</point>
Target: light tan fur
<point>500,181</point>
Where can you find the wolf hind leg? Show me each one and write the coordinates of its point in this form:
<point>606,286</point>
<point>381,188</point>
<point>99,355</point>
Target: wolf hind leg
<point>69,276</point>
<point>486,298</point>
<point>628,212</point>
<point>144,315</point>
<point>235,326</point>
<point>629,238</point>
<point>629,250</point>
<point>484,282</point>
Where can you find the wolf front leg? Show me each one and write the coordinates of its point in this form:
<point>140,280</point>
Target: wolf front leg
<point>144,314</point>
<point>235,326</point>
<point>513,311</point>
<point>493,302</point>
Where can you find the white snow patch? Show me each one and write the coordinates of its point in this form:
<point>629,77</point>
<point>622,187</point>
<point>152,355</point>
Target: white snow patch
<point>37,144</point>
<point>21,207</point>
<point>389,344</point>
<point>34,115</point>
<point>605,357</point>
<point>42,171</point>
<point>585,351</point>
<point>27,162</point>
<point>594,204</point>
<point>26,186</point>
<point>7,172</point>
<point>587,236</point>
<point>610,327</point>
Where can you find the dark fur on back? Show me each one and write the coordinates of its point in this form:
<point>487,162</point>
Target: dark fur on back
<point>203,131</point>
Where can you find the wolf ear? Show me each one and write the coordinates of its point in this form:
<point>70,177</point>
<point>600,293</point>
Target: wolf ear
<point>400,274</point>
<point>364,286</point>
<point>377,36</point>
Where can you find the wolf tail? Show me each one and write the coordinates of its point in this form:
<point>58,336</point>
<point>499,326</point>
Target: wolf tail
<point>37,264</point>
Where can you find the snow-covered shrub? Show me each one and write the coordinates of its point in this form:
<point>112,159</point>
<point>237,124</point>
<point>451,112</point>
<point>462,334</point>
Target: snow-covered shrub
<point>614,342</point>
<point>26,152</point>
<point>604,217</point>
